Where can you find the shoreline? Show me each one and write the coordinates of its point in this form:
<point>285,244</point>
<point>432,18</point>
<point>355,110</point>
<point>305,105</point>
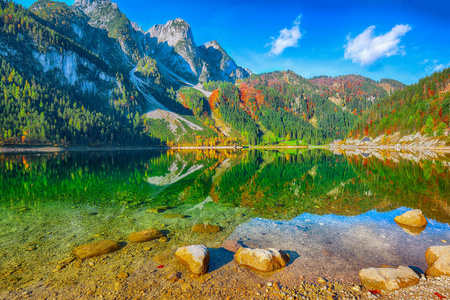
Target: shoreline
<point>46,149</point>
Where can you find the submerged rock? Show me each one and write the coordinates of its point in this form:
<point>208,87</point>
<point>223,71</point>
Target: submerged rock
<point>175,216</point>
<point>96,249</point>
<point>157,209</point>
<point>205,228</point>
<point>145,235</point>
<point>264,260</point>
<point>441,267</point>
<point>195,257</point>
<point>434,253</point>
<point>413,218</point>
<point>389,279</point>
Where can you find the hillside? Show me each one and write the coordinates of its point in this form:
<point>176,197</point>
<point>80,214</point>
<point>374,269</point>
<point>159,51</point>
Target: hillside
<point>423,108</point>
<point>283,103</point>
<point>355,93</point>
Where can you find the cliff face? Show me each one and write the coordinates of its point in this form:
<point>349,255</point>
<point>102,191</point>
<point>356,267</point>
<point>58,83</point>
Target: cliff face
<point>70,69</point>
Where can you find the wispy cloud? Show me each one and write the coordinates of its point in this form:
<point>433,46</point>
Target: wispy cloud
<point>287,38</point>
<point>435,66</point>
<point>366,48</point>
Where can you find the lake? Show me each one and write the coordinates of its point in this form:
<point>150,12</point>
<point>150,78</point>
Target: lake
<point>333,213</point>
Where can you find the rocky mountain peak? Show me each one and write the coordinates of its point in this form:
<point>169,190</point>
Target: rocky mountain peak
<point>213,44</point>
<point>172,32</point>
<point>90,2</point>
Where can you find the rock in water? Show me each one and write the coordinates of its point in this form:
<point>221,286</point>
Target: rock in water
<point>441,267</point>
<point>96,249</point>
<point>434,253</point>
<point>264,260</point>
<point>413,218</point>
<point>205,228</point>
<point>389,279</point>
<point>145,235</point>
<point>195,257</point>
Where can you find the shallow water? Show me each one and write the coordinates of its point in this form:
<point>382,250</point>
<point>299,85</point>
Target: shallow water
<point>332,213</point>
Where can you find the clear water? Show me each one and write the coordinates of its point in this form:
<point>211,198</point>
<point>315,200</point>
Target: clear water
<point>332,213</point>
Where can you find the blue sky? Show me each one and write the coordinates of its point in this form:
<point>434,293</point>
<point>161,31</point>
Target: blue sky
<point>399,39</point>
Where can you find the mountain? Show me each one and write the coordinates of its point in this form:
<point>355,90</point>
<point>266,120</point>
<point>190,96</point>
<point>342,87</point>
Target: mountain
<point>175,48</point>
<point>278,106</point>
<point>86,74</point>
<point>355,93</point>
<point>91,50</point>
<point>422,108</point>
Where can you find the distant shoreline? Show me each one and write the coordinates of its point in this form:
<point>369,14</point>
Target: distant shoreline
<point>46,149</point>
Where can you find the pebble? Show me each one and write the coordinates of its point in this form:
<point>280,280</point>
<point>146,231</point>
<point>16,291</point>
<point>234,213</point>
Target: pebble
<point>356,288</point>
<point>174,277</point>
<point>321,280</point>
<point>122,275</point>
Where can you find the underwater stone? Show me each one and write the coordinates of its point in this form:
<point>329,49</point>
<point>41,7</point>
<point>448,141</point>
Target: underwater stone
<point>145,235</point>
<point>413,218</point>
<point>195,257</point>
<point>389,279</point>
<point>205,228</point>
<point>96,249</point>
<point>264,260</point>
<point>175,216</point>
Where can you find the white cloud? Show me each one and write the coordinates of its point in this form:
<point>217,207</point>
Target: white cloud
<point>287,38</point>
<point>435,66</point>
<point>439,67</point>
<point>366,48</point>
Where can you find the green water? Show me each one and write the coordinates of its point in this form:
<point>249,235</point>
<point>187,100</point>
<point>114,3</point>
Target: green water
<point>52,202</point>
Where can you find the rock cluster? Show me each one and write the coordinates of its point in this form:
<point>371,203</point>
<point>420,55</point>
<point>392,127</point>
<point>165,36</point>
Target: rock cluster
<point>390,278</point>
<point>438,260</point>
<point>195,257</point>
<point>264,260</point>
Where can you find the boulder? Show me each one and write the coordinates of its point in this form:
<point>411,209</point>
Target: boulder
<point>195,257</point>
<point>96,249</point>
<point>441,267</point>
<point>145,235</point>
<point>389,279</point>
<point>264,260</point>
<point>205,228</point>
<point>413,218</point>
<point>434,253</point>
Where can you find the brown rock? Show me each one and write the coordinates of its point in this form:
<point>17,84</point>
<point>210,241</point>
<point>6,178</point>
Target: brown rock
<point>264,260</point>
<point>434,253</point>
<point>96,249</point>
<point>145,235</point>
<point>441,267</point>
<point>388,278</point>
<point>195,257</point>
<point>205,228</point>
<point>413,218</point>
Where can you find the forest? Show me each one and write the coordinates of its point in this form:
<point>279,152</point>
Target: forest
<point>422,107</point>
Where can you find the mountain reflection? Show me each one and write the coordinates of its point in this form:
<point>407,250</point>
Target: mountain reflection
<point>271,184</point>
